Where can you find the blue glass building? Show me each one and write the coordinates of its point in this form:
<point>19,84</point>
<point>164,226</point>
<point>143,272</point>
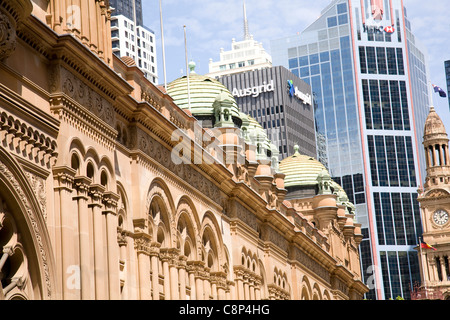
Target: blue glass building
<point>369,79</point>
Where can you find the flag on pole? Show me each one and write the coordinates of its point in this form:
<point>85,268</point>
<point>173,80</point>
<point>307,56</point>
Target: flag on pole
<point>425,245</point>
<point>440,91</point>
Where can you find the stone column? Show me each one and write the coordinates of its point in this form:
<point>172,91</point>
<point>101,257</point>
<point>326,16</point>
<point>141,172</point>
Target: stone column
<point>110,200</point>
<point>67,254</point>
<point>173,270</point>
<point>252,288</point>
<point>182,276</point>
<point>165,258</point>
<point>246,287</point>
<point>441,155</point>
<point>433,266</point>
<point>239,279</point>
<point>231,293</point>
<point>258,290</point>
<point>443,270</point>
<point>154,257</point>
<point>87,285</point>
<point>206,283</point>
<point>122,242</point>
<point>191,272</point>
<point>447,154</point>
<point>100,267</point>
<point>198,267</point>
<point>142,247</point>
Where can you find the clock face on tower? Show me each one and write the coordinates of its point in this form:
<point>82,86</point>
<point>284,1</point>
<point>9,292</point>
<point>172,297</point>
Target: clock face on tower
<point>440,217</point>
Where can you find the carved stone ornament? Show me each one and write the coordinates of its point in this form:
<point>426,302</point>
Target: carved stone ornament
<point>7,36</point>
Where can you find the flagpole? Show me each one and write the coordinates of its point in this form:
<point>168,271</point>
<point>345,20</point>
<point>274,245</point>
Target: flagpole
<point>430,93</point>
<point>423,268</point>
<point>187,69</point>
<point>162,43</point>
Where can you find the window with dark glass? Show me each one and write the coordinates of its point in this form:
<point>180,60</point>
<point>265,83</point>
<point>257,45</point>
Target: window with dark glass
<point>385,273</point>
<point>396,107</point>
<point>402,161</point>
<point>398,219</point>
<point>367,110</point>
<point>392,161</point>
<point>381,161</point>
<point>409,219</point>
<point>392,61</point>
<point>379,217</point>
<point>293,63</point>
<point>375,104</point>
<point>371,60</point>
<point>303,61</point>
<point>401,66</point>
<point>332,22</point>
<point>386,105</point>
<point>411,166</point>
<point>405,109</point>
<point>381,59</point>
<point>362,59</point>
<point>388,223</point>
<point>394,274</point>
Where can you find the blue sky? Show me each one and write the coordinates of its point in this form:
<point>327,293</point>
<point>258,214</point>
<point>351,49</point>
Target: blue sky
<point>212,25</point>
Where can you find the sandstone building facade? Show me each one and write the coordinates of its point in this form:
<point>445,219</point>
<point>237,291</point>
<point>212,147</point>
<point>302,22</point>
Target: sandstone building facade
<point>93,205</point>
<point>435,205</point>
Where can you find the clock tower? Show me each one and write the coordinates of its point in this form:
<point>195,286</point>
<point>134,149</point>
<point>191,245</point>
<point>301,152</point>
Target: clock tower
<point>435,208</point>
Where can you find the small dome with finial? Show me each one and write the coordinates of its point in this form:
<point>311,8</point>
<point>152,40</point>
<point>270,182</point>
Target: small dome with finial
<point>434,127</point>
<point>301,169</point>
<point>192,66</point>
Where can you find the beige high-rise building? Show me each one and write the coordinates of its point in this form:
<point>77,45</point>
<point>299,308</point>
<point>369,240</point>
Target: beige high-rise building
<point>111,189</point>
<point>435,206</point>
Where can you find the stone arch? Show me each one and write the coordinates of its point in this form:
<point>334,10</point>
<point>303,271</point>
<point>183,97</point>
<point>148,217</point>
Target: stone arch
<point>326,295</point>
<point>210,234</point>
<point>161,213</point>
<point>18,200</point>
<point>78,146</point>
<point>187,228</point>
<point>316,294</point>
<point>305,289</point>
<point>106,165</point>
<point>263,273</point>
<point>123,206</point>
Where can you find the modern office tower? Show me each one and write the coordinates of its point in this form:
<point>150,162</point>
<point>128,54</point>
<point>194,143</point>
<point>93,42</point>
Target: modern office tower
<point>131,38</point>
<point>245,55</point>
<point>447,75</point>
<point>286,115</point>
<point>369,78</point>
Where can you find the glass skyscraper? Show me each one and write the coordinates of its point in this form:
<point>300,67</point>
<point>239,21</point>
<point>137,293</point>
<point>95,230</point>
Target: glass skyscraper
<point>369,79</point>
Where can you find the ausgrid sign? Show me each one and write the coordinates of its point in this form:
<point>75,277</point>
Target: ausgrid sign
<point>295,92</point>
<point>254,91</point>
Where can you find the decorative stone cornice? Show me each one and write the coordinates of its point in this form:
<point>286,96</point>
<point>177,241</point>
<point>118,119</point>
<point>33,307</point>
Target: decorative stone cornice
<point>96,193</point>
<point>110,200</point>
<point>12,13</point>
<point>82,185</point>
<point>64,177</point>
<point>142,243</point>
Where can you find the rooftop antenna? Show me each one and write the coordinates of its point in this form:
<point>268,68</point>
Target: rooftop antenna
<point>247,35</point>
<point>162,44</point>
<point>187,69</point>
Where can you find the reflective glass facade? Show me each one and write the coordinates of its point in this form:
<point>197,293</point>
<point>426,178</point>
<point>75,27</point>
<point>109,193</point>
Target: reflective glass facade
<point>132,9</point>
<point>371,98</point>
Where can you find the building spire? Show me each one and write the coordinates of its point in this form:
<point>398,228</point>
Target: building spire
<point>247,35</point>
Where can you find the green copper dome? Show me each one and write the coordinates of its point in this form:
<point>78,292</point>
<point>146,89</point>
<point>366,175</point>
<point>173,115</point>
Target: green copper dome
<point>301,170</point>
<point>205,94</point>
<point>255,134</point>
